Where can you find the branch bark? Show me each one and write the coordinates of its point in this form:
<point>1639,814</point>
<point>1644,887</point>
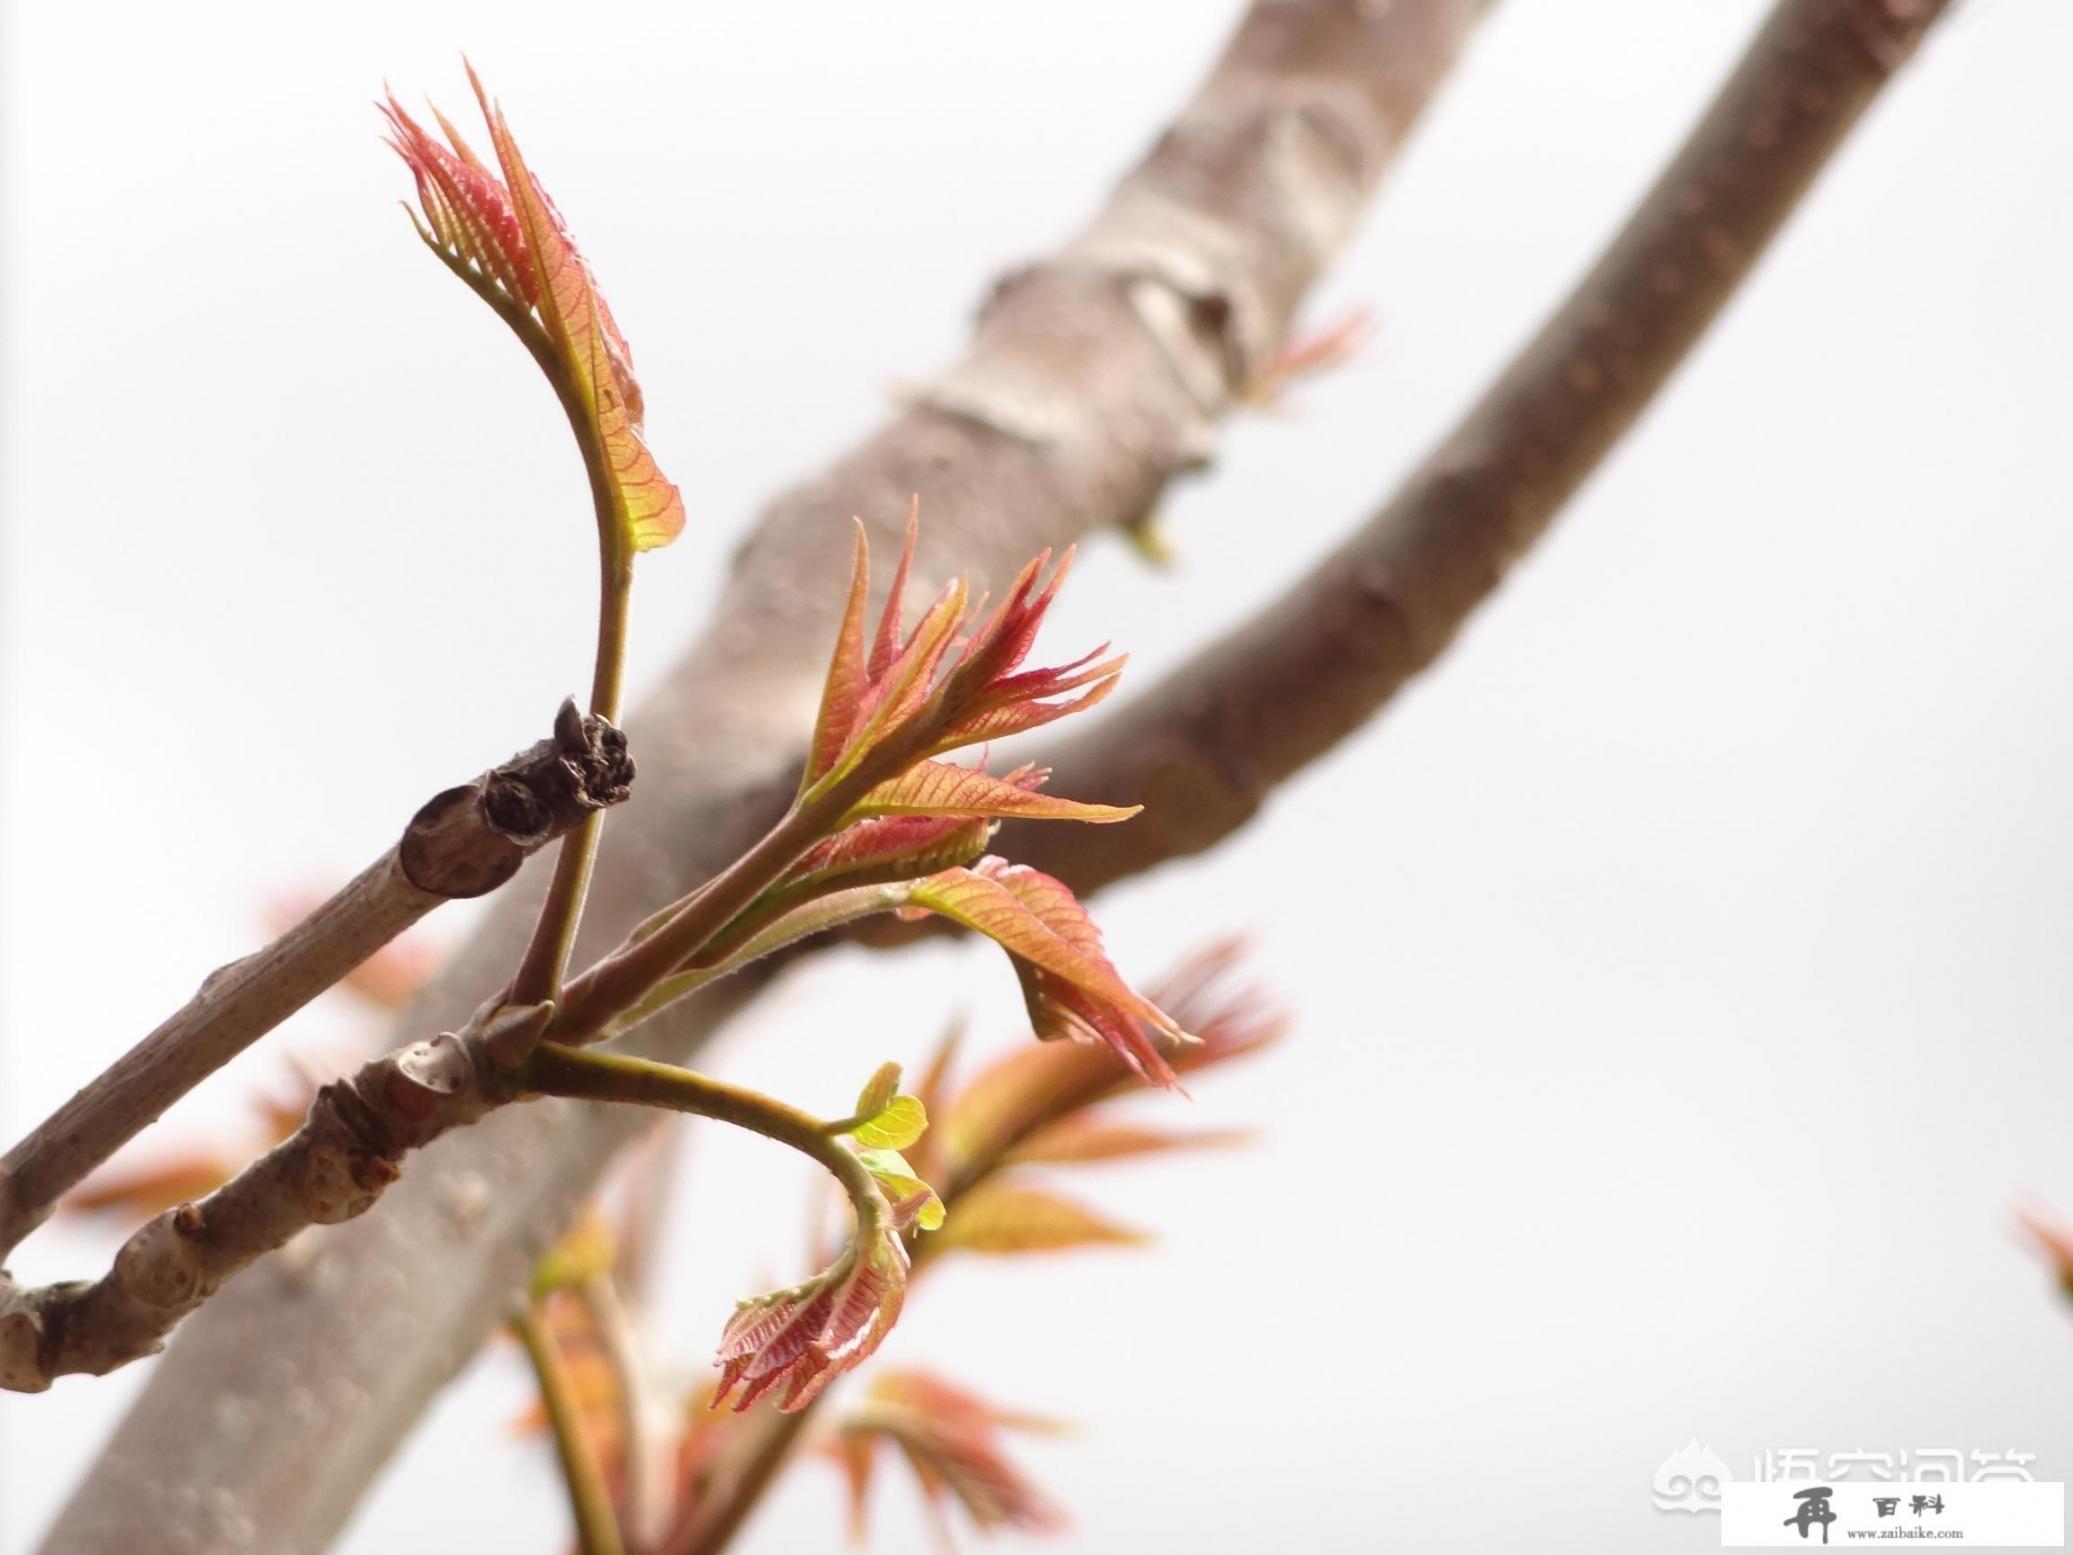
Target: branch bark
<point>1204,748</point>
<point>331,1169</point>
<point>1093,379</point>
<point>466,841</point>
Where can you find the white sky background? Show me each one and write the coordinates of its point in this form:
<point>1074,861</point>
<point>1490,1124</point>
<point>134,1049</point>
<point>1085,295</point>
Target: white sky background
<point>1681,968</point>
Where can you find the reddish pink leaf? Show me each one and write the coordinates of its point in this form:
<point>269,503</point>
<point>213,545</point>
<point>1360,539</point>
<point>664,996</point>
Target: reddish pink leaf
<point>843,694</point>
<point>1308,356</point>
<point>799,1340</point>
<point>1068,983</point>
<point>510,233</point>
<point>939,788</point>
<point>894,847</point>
<point>885,647</point>
<point>1027,1088</point>
<point>952,1442</point>
<point>953,680</point>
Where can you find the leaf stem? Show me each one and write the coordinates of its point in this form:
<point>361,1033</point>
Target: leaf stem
<point>546,957</point>
<point>619,981</point>
<point>597,1529</point>
<point>714,962</point>
<point>554,1070</point>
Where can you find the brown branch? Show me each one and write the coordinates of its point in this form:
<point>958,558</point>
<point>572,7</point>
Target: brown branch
<point>1203,749</point>
<point>465,842</point>
<point>1093,379</point>
<point>331,1169</point>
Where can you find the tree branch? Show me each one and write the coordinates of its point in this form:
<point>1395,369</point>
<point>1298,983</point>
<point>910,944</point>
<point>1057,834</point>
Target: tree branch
<point>1094,378</point>
<point>334,1167</point>
<point>1203,749</point>
<point>465,842</point>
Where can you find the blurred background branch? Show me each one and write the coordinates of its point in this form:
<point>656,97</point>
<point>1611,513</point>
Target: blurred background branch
<point>1203,749</point>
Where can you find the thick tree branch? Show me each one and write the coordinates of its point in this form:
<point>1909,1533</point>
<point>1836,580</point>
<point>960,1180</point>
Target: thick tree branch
<point>1094,378</point>
<point>465,842</point>
<point>1203,749</point>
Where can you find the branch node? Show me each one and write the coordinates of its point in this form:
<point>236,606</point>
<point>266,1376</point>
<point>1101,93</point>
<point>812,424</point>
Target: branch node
<point>339,1184</point>
<point>470,839</point>
<point>512,1034</point>
<point>161,1267</point>
<point>20,1336</point>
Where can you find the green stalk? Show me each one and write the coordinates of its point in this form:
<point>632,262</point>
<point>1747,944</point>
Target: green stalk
<point>540,970</point>
<point>554,1070</point>
<point>597,1529</point>
<point>622,979</point>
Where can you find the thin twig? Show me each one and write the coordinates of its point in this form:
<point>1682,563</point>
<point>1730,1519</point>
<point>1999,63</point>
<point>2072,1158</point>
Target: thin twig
<point>597,1529</point>
<point>465,842</point>
<point>647,1447</point>
<point>1203,749</point>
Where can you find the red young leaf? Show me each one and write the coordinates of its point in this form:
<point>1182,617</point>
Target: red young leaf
<point>951,1440</point>
<point>941,789</point>
<point>1014,1098</point>
<point>1307,356</point>
<point>893,847</point>
<point>799,1340</point>
<point>1067,980</point>
<point>885,646</point>
<point>843,694</point>
<point>950,682</point>
<point>507,234</point>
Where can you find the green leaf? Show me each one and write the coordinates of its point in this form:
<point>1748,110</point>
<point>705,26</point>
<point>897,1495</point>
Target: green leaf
<point>882,1087</point>
<point>897,1179</point>
<point>894,1126</point>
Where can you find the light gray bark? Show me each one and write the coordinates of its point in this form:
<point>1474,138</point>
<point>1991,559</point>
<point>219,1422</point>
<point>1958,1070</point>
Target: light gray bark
<point>1203,749</point>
